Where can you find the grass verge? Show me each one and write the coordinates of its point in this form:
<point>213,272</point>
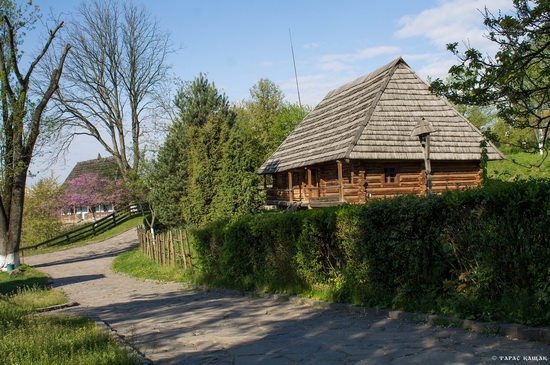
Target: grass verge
<point>26,338</point>
<point>138,265</point>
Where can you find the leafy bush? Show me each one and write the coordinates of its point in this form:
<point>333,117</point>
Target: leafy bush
<point>480,253</point>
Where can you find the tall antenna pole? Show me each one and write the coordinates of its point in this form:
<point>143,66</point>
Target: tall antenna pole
<point>295,73</point>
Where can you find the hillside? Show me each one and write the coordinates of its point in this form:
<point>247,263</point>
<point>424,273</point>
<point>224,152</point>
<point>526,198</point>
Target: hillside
<point>519,165</point>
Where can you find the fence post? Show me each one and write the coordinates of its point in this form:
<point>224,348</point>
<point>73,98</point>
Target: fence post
<point>172,250</point>
<point>188,249</point>
<point>182,248</point>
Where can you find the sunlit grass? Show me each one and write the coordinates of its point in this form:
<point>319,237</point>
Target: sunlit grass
<point>31,339</point>
<point>519,165</point>
<point>138,265</point>
<point>37,297</point>
<point>28,338</point>
<point>123,227</point>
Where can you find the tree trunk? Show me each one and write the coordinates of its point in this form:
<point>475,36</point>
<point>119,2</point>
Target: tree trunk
<point>11,237</point>
<point>20,134</point>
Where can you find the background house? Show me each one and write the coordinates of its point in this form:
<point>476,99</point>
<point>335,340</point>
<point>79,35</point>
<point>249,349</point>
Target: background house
<point>358,143</point>
<point>89,189</point>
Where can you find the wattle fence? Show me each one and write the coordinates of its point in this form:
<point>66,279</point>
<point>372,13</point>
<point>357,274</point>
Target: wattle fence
<point>92,229</point>
<point>167,248</point>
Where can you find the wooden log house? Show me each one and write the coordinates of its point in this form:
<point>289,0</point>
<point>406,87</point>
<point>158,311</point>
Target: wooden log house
<point>360,143</point>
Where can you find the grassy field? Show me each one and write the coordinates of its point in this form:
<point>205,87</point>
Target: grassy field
<point>28,338</point>
<point>519,165</point>
<point>131,223</point>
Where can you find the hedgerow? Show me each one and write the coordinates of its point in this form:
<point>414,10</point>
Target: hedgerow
<point>478,254</point>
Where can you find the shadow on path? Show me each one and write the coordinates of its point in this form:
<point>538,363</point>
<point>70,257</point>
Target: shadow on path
<point>89,257</point>
<point>187,327</point>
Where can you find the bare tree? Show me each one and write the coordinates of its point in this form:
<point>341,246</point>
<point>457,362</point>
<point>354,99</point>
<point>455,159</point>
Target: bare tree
<point>112,78</point>
<point>21,123</point>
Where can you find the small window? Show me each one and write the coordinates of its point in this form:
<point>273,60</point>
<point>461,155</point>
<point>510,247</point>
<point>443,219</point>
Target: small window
<point>391,176</point>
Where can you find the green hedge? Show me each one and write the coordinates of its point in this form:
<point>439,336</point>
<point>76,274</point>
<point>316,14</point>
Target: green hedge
<point>479,254</point>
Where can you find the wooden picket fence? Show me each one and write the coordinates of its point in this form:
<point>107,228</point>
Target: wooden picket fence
<point>167,248</point>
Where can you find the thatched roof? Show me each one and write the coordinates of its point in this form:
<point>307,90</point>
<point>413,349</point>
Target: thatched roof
<point>105,168</point>
<point>372,118</point>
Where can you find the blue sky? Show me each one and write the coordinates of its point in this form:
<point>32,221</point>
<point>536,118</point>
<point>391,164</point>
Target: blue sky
<point>238,42</point>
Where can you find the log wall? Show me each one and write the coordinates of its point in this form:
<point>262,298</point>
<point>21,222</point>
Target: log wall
<point>365,179</point>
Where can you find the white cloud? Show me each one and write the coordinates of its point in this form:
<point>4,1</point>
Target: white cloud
<point>453,21</point>
<point>346,61</point>
<point>313,88</point>
<point>312,45</point>
<point>437,67</point>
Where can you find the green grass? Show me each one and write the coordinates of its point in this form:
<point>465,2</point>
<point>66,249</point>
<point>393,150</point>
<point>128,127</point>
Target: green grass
<point>26,338</point>
<point>138,265</point>
<point>37,297</point>
<point>519,165</point>
<point>123,227</point>
<point>30,278</point>
<point>29,339</point>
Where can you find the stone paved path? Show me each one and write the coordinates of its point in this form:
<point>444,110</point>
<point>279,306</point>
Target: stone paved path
<point>172,325</point>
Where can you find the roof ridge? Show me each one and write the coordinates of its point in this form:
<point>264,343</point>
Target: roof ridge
<point>97,159</point>
<point>392,66</point>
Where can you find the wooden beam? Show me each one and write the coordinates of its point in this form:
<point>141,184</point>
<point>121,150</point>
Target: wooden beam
<point>340,180</point>
<point>290,187</point>
<point>309,178</point>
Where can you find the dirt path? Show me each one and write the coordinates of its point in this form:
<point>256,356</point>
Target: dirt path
<point>172,325</point>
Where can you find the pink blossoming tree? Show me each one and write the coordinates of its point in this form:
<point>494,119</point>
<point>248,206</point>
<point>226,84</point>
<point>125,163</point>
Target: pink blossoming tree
<point>89,190</point>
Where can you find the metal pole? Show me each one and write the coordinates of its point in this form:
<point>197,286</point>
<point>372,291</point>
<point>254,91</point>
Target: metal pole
<point>295,72</point>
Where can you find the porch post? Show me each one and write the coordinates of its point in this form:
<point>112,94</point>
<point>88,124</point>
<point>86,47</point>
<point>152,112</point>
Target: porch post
<point>340,180</point>
<point>290,189</point>
<point>309,191</point>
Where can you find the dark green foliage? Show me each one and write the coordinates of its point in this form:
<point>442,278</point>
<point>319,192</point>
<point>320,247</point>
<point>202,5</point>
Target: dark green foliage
<point>204,164</point>
<point>206,169</point>
<point>186,170</point>
<point>480,253</point>
<point>169,177</point>
<point>237,186</point>
<point>198,100</point>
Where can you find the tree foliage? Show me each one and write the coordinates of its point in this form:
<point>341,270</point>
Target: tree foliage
<point>41,212</point>
<point>517,79</point>
<point>90,190</point>
<point>206,169</point>
<point>271,117</point>
<point>187,164</point>
<point>237,189</point>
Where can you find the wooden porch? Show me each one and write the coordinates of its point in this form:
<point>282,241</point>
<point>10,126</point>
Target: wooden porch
<point>356,181</point>
<point>314,187</point>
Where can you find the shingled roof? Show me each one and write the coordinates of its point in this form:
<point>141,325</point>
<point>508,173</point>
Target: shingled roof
<point>372,118</point>
<point>105,168</point>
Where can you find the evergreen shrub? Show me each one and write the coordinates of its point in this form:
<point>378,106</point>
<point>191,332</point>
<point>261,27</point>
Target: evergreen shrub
<point>480,253</point>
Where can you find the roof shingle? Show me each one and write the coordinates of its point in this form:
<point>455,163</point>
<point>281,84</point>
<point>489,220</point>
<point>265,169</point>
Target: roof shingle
<point>372,118</point>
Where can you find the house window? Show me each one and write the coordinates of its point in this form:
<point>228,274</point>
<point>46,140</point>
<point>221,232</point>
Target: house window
<point>80,210</point>
<point>391,176</point>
